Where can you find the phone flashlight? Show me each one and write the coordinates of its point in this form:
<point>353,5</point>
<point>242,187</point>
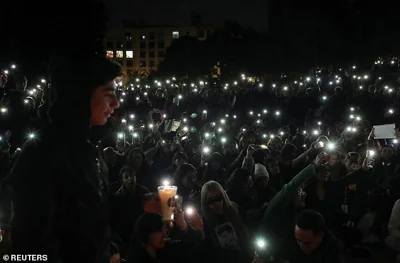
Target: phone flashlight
<point>189,211</point>
<point>206,150</point>
<point>331,146</point>
<point>261,243</point>
<point>166,182</point>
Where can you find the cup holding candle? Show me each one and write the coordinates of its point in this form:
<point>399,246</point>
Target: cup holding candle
<point>166,194</point>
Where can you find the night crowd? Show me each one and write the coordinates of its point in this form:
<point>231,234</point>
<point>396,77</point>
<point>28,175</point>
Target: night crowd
<point>286,169</point>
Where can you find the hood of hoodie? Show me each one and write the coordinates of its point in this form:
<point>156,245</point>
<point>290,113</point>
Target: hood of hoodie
<point>72,84</point>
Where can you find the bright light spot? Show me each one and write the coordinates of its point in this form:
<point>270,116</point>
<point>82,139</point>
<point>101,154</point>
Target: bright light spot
<point>324,98</point>
<point>365,76</point>
<point>3,110</point>
<point>308,79</point>
<point>135,135</point>
<point>386,87</point>
<point>206,135</point>
<point>223,140</point>
<point>43,81</point>
<point>261,243</point>
<point>260,85</point>
<point>330,82</point>
<point>6,71</point>
<point>223,121</point>
<point>120,135</point>
<point>130,127</point>
<point>361,87</point>
<point>185,129</point>
<point>235,83</point>
<point>132,116</point>
<point>391,111</point>
<point>395,141</point>
<point>180,97</point>
<point>331,146</point>
<point>251,113</point>
<point>282,133</point>
<point>371,153</point>
<point>31,136</point>
<point>219,129</point>
<point>13,66</point>
<point>319,123</point>
<point>354,67</point>
<point>351,116</point>
<point>265,111</point>
<point>358,118</point>
<point>204,111</point>
<point>273,85</point>
<point>201,83</point>
<point>285,88</point>
<point>234,116</point>
<point>151,126</point>
<point>189,211</point>
<point>206,150</point>
<point>277,113</point>
<point>315,132</point>
<point>166,182</point>
<point>352,109</point>
<point>123,121</point>
<point>348,128</point>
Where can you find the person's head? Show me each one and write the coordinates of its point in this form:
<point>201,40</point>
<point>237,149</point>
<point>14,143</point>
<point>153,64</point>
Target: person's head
<point>230,147</point>
<point>128,177</point>
<point>310,230</point>
<point>215,162</point>
<point>261,176</point>
<point>272,166</point>
<point>152,203</point>
<point>333,158</point>
<point>185,176</point>
<point>338,91</point>
<point>247,139</point>
<point>135,157</point>
<point>275,143</point>
<point>86,86</point>
<point>288,152</point>
<point>110,156</point>
<point>387,153</point>
<point>21,82</point>
<point>352,162</point>
<point>179,158</point>
<point>214,199</point>
<point>150,231</point>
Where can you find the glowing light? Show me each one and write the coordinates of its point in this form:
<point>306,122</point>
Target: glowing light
<point>316,132</point>
<point>391,111</point>
<point>277,113</point>
<point>3,110</point>
<point>43,80</point>
<point>206,150</point>
<point>331,146</point>
<point>130,127</point>
<point>13,66</point>
<point>132,116</point>
<point>166,182</point>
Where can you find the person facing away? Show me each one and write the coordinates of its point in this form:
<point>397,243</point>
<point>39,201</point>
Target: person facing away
<point>59,180</point>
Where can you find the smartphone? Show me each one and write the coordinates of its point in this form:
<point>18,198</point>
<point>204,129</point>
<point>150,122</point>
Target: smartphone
<point>178,200</point>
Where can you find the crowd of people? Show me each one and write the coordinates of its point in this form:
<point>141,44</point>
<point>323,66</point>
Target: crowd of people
<point>266,170</point>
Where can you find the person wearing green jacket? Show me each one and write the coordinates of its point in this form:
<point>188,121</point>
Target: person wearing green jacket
<point>279,213</point>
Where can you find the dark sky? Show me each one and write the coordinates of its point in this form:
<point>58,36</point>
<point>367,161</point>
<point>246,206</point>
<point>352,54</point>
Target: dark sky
<point>246,12</point>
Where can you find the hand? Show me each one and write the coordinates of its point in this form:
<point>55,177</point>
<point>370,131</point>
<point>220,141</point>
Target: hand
<point>116,258</point>
<point>250,151</point>
<point>179,218</point>
<point>195,221</point>
<point>321,159</point>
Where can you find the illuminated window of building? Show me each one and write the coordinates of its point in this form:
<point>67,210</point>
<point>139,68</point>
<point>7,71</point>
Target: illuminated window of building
<point>160,54</point>
<point>175,34</point>
<point>120,44</point>
<point>152,63</point>
<point>129,54</point>
<point>142,36</point>
<point>142,54</point>
<point>151,45</point>
<point>110,53</point>
<point>128,45</point>
<point>128,36</point>
<point>110,44</point>
<point>152,54</point>
<point>142,63</point>
<point>161,44</point>
<point>119,54</point>
<point>129,63</point>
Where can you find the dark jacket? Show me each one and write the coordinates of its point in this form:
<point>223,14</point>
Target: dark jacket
<point>60,201</point>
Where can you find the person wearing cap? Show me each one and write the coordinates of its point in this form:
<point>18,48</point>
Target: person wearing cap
<point>59,180</point>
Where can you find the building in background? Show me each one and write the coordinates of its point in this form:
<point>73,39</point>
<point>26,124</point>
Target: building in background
<point>141,49</point>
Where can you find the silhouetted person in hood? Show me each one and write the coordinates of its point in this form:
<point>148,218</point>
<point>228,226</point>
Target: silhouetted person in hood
<point>59,180</point>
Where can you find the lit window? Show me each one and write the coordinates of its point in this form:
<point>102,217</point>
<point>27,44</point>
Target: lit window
<point>128,36</point>
<point>110,53</point>
<point>175,34</point>
<point>120,54</point>
<point>142,36</point>
<point>129,54</point>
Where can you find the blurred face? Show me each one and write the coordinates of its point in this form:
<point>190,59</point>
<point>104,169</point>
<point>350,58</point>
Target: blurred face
<point>215,165</point>
<point>157,239</point>
<point>273,168</point>
<point>352,166</point>
<point>189,180</point>
<point>262,183</point>
<point>387,153</point>
<point>110,158</point>
<point>103,103</point>
<point>128,180</point>
<point>307,240</point>
<point>136,159</point>
<point>333,159</point>
<point>215,201</point>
